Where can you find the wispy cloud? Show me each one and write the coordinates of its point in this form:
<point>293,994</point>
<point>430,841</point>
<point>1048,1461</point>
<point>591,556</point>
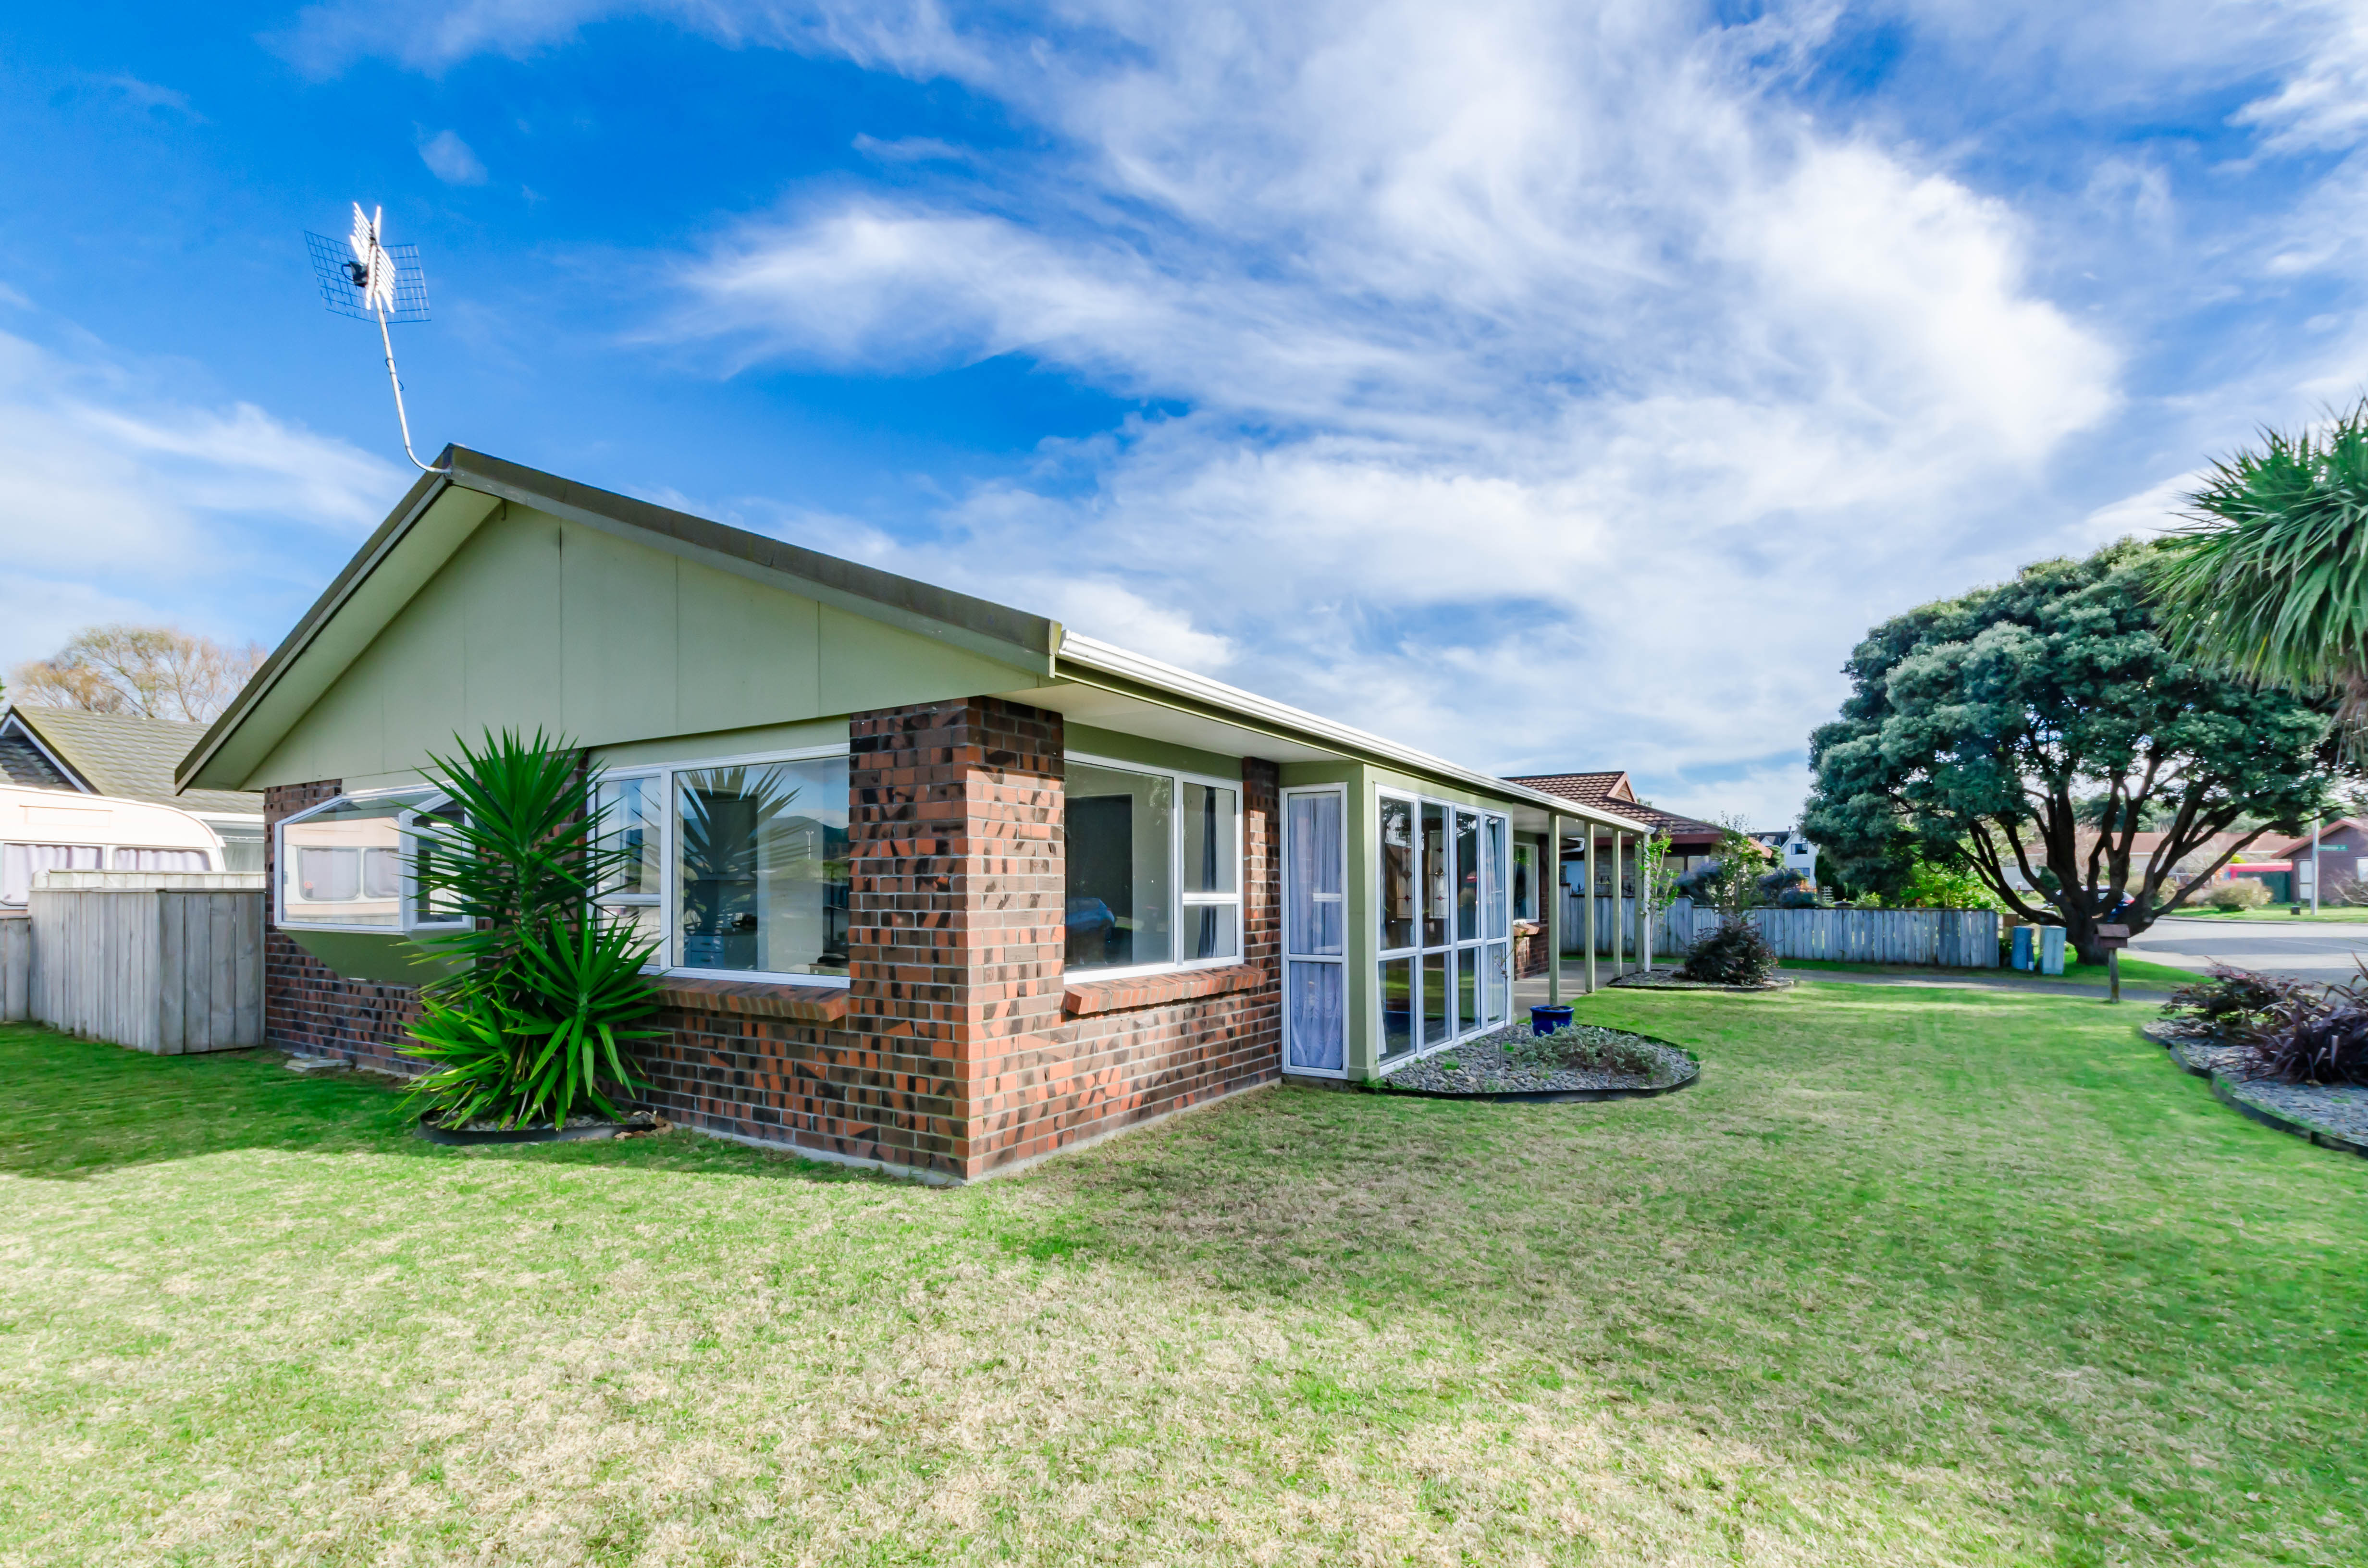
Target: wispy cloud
<point>451,159</point>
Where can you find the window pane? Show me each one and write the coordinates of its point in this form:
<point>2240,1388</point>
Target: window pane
<point>160,860</point>
<point>21,863</point>
<point>431,908</point>
<point>646,919</point>
<point>1209,859</point>
<point>1119,827</point>
<point>1497,975</point>
<point>1312,880</point>
<point>382,874</point>
<point>1211,931</point>
<point>763,867</point>
<point>1438,876</point>
<point>1492,882</point>
<point>1467,989</point>
<point>631,807</point>
<point>337,867</point>
<point>1319,1019</point>
<point>1397,1007</point>
<point>1435,1024</point>
<point>1525,855</point>
<point>1397,874</point>
<point>1467,876</point>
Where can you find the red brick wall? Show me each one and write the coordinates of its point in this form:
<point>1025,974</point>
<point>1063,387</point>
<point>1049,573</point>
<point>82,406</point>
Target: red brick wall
<point>956,1055</point>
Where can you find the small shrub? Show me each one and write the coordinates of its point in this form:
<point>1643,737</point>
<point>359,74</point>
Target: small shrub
<point>1735,954</point>
<point>1596,1050</point>
<point>1797,898</point>
<point>2319,1039</point>
<point>2239,892</point>
<point>2235,1004</point>
<point>1775,884</point>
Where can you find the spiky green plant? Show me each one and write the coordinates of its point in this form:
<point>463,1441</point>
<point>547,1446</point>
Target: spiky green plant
<point>538,1017</point>
<point>2269,579</point>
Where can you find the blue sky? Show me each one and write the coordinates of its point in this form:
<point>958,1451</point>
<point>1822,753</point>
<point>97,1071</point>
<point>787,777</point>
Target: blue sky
<point>1554,386</point>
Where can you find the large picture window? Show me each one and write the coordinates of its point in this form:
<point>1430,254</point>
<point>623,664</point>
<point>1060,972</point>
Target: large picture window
<point>735,868</point>
<point>1153,867</point>
<point>1445,918</point>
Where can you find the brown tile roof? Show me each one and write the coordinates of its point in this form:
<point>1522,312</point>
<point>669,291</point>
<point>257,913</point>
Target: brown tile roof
<point>1611,791</point>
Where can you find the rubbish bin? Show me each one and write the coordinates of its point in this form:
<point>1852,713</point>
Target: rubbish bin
<point>1545,1020</point>
<point>2022,954</point>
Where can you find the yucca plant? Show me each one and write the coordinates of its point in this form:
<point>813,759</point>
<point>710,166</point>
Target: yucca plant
<point>2269,580</point>
<point>538,1018</point>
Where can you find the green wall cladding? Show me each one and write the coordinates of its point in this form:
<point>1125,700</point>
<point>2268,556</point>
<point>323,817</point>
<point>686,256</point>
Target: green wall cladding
<point>539,623</point>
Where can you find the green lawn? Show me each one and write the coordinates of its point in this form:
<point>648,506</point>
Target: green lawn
<point>2134,971</point>
<point>1910,1277</point>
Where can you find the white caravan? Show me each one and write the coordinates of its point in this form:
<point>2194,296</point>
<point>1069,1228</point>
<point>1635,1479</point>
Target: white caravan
<point>58,830</point>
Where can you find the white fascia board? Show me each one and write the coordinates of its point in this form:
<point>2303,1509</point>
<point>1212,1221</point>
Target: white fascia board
<point>1090,654</point>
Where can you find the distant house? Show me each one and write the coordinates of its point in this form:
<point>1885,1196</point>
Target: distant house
<point>127,757</point>
<point>1793,851</point>
<point>1691,840</point>
<point>2343,855</point>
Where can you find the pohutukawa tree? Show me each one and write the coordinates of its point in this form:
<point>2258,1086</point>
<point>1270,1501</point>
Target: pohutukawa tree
<point>2039,727</point>
<point>2270,578</point>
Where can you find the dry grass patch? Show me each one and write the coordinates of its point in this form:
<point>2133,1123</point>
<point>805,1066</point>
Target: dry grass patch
<point>1910,1278</point>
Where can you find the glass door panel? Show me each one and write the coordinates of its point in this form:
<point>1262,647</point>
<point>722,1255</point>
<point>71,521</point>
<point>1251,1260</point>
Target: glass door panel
<point>1397,875</point>
<point>1315,1022</point>
<point>1437,1017</point>
<point>1397,1007</point>
<point>1438,876</point>
<point>1467,876</point>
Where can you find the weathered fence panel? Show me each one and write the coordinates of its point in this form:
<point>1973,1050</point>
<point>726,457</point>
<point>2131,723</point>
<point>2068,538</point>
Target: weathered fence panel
<point>16,969</point>
<point>163,970</point>
<point>1951,938</point>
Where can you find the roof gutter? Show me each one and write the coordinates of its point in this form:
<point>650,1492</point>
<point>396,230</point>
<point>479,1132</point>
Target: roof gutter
<point>1091,661</point>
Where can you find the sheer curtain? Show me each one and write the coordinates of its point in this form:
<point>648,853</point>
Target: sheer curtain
<point>160,860</point>
<point>20,863</point>
<point>1314,932</point>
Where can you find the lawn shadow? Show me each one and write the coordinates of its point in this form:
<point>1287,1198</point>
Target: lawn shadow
<point>88,1107</point>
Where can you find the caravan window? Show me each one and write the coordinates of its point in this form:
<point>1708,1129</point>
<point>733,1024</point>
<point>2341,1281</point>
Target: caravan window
<point>20,863</point>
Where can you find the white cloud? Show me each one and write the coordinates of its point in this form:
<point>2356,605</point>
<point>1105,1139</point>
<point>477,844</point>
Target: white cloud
<point>1562,389</point>
<point>450,159</point>
<point>118,498</point>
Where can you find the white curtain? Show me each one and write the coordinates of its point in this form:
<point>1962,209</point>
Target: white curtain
<point>1319,1021</point>
<point>160,860</point>
<point>1313,879</point>
<point>20,863</point>
<point>1493,885</point>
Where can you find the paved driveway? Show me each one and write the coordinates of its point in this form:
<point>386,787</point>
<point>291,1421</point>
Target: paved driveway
<point>2311,950</point>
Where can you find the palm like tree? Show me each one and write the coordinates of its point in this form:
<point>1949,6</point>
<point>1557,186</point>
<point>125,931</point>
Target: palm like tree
<point>2270,577</point>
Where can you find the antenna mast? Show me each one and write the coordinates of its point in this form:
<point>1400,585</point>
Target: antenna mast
<point>375,281</point>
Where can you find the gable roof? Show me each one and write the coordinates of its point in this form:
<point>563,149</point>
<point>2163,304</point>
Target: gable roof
<point>2300,846</point>
<point>127,756</point>
<point>442,508</point>
<point>1609,790</point>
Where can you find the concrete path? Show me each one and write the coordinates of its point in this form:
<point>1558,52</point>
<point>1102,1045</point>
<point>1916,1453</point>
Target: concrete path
<point>2307,949</point>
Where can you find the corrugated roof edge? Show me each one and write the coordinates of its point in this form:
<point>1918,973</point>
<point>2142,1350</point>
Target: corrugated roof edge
<point>905,597</point>
<point>1093,656</point>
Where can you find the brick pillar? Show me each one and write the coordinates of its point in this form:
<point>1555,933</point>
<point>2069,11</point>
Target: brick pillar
<point>1262,868</point>
<point>957,907</point>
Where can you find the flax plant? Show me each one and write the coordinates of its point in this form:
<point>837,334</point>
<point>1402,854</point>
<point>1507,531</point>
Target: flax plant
<point>2269,579</point>
<point>540,1015</point>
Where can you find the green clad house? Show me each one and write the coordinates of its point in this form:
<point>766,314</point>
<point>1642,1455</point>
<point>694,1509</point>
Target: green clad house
<point>940,885</point>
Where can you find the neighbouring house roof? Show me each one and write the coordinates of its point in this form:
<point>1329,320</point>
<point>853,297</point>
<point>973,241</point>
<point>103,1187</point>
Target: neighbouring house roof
<point>124,755</point>
<point>2300,847</point>
<point>1611,791</point>
<point>432,522</point>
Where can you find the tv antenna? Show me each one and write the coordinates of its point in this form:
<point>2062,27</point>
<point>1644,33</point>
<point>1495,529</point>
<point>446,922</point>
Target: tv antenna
<point>366,279</point>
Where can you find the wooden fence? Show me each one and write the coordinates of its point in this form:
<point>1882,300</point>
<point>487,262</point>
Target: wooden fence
<point>16,969</point>
<point>164,970</point>
<point>1952,938</point>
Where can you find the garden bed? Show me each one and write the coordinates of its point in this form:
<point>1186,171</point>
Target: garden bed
<point>491,1130</point>
<point>1655,979</point>
<point>1584,1062</point>
<point>2334,1116</point>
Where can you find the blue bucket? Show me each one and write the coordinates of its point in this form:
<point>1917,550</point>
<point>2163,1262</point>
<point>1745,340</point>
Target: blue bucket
<point>1545,1020</point>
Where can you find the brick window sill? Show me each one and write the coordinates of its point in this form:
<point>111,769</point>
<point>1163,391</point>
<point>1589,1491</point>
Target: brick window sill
<point>1088,997</point>
<point>758,999</point>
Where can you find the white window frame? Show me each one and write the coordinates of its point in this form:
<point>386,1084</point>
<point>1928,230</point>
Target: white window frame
<point>416,798</point>
<point>1181,901</point>
<point>667,900</point>
<point>1462,1028</point>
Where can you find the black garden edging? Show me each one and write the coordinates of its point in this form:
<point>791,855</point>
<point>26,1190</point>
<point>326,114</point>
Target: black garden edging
<point>435,1134</point>
<point>2223,1092</point>
<point>1667,982</point>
